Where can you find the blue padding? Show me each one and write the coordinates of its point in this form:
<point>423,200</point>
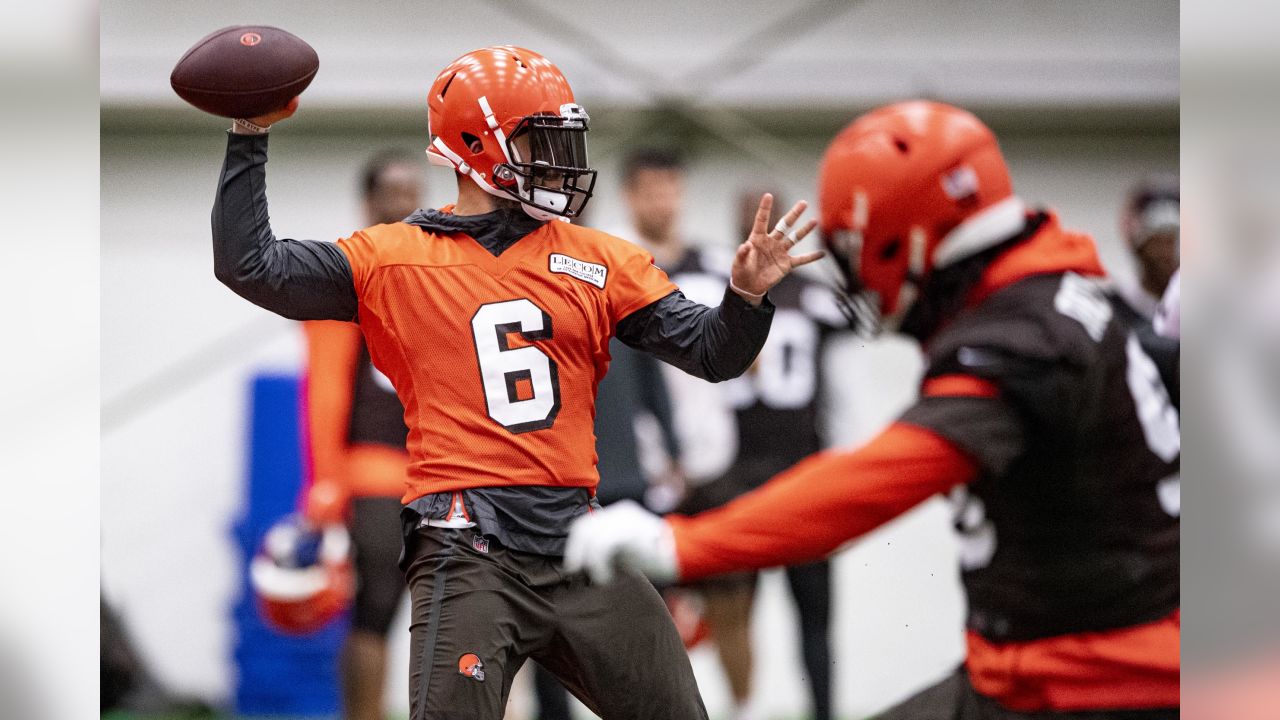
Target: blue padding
<point>277,674</point>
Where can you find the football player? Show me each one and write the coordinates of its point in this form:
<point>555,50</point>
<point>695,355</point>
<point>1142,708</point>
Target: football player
<point>1040,413</point>
<point>1150,222</point>
<point>772,413</point>
<point>653,183</point>
<point>492,319</point>
<point>355,438</point>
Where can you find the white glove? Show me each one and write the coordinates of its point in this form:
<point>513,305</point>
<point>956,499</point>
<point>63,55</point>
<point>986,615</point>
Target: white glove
<point>625,534</point>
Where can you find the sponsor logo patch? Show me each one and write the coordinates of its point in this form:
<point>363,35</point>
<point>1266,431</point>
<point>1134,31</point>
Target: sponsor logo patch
<point>587,272</point>
<point>471,666</point>
<point>960,183</point>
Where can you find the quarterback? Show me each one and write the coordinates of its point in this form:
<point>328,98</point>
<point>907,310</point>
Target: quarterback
<point>492,319</point>
<point>1039,412</point>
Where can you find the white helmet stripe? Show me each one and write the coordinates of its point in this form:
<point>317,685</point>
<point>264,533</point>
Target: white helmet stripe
<point>997,223</point>
<point>492,122</point>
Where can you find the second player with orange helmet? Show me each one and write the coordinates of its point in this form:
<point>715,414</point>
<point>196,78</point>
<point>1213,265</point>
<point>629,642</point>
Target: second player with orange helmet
<point>492,321</point>
<point>1040,413</point>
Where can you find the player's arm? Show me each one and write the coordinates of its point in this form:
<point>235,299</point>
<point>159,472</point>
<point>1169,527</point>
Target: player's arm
<point>299,279</point>
<point>719,343</point>
<point>711,343</point>
<point>333,349</point>
<point>800,515</point>
<point>957,431</point>
<point>821,503</point>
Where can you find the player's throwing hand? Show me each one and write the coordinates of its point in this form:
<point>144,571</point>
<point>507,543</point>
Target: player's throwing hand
<point>251,126</point>
<point>765,257</point>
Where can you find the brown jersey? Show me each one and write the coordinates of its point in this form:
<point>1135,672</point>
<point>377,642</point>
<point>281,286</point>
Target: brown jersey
<point>1040,412</point>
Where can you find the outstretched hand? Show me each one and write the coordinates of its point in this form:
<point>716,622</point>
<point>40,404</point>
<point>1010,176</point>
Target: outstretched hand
<point>764,258</point>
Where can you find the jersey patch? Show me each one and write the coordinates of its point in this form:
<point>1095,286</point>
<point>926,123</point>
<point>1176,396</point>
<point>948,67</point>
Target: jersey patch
<point>587,272</point>
<point>1082,300</point>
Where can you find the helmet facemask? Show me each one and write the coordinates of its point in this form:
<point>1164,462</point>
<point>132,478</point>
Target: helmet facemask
<point>859,304</point>
<point>548,170</point>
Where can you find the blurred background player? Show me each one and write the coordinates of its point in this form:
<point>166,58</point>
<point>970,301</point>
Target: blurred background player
<point>653,182</point>
<point>779,406</point>
<point>748,429</point>
<point>1039,413</point>
<point>1150,222</point>
<point>355,436</point>
<point>653,188</point>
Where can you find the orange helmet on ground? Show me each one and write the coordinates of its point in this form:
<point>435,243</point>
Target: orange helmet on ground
<point>505,117</point>
<point>908,189</point>
<point>302,576</point>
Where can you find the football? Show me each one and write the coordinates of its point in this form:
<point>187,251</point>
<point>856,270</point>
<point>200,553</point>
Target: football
<point>244,71</point>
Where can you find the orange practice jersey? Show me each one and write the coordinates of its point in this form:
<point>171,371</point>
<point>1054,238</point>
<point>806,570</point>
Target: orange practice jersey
<point>496,359</point>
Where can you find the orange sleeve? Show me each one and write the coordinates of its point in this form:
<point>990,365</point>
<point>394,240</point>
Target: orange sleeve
<point>636,283</point>
<point>333,348</point>
<point>822,502</point>
<point>361,256</point>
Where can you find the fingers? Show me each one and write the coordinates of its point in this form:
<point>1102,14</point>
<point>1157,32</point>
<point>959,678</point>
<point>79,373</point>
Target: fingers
<point>789,220</point>
<point>761,225</point>
<point>277,115</point>
<point>803,231</point>
<point>587,551</point>
<point>793,237</point>
<point>798,260</point>
<point>601,569</point>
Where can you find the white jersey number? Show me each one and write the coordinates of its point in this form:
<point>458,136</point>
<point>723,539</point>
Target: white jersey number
<point>977,534</point>
<point>1158,417</point>
<point>521,385</point>
<point>784,376</point>
<point>1156,412</point>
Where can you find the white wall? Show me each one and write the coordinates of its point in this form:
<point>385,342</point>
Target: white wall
<point>173,455</point>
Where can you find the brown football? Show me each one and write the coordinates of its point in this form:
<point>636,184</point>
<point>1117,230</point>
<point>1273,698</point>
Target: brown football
<point>244,71</point>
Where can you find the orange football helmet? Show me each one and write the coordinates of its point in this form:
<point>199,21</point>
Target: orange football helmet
<point>302,576</point>
<point>505,117</point>
<point>907,189</point>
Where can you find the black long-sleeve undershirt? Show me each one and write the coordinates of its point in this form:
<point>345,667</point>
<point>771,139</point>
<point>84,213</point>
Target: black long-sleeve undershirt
<point>299,279</point>
<point>311,280</point>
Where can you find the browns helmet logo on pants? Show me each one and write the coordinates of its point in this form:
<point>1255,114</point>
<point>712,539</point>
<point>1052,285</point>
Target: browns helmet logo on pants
<point>471,666</point>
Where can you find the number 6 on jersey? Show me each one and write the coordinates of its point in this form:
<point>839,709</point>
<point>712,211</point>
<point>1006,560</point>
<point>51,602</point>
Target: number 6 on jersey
<point>521,386</point>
